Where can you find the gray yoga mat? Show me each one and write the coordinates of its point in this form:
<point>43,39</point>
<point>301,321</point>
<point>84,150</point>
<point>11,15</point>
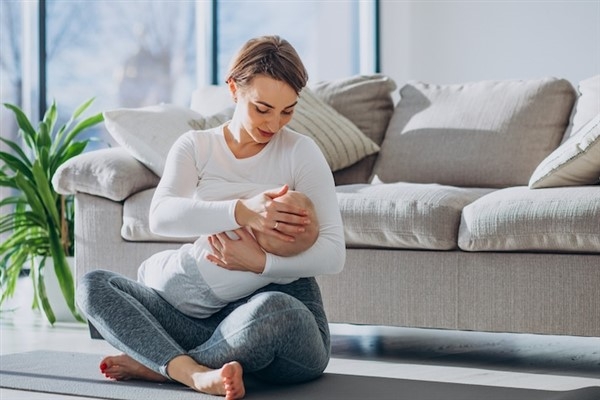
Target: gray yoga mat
<point>78,374</point>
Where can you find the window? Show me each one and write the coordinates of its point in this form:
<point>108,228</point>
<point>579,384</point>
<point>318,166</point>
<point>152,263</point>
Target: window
<point>323,32</point>
<point>129,54</point>
<point>143,52</point>
<point>11,82</point>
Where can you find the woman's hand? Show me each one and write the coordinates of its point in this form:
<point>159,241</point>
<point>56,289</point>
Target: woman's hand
<point>242,254</point>
<point>273,218</point>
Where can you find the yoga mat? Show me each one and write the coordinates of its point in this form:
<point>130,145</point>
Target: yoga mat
<point>78,374</point>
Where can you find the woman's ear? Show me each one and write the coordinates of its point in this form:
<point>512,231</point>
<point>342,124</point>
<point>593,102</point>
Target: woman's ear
<point>232,89</point>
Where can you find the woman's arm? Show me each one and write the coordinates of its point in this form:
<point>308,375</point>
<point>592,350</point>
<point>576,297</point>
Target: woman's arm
<point>311,176</point>
<point>174,211</point>
<point>328,254</point>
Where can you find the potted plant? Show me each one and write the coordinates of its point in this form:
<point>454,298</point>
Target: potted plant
<point>37,220</point>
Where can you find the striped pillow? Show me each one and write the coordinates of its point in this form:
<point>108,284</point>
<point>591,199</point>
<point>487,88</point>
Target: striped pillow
<point>341,142</point>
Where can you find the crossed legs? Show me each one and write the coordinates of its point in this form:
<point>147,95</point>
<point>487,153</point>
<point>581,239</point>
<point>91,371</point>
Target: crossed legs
<point>276,336</point>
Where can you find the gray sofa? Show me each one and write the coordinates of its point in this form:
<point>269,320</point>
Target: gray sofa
<point>480,211</point>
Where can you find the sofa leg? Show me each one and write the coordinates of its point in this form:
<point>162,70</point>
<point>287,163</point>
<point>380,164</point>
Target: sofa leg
<point>94,334</point>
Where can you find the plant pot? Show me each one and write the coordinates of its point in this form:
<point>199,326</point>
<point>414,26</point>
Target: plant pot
<point>54,294</point>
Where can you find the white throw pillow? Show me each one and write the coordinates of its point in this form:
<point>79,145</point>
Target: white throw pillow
<point>586,107</point>
<point>149,132</point>
<point>575,162</point>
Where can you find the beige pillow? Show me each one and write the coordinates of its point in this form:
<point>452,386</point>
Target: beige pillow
<point>575,162</point>
<point>481,134</point>
<point>105,173</point>
<point>366,100</point>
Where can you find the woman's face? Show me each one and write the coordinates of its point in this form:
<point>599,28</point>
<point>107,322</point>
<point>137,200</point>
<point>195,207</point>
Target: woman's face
<point>264,107</point>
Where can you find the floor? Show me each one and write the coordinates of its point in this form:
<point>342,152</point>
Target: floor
<point>513,360</point>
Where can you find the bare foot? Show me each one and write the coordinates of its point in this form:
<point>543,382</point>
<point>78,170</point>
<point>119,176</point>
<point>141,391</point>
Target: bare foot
<point>123,367</point>
<point>226,381</point>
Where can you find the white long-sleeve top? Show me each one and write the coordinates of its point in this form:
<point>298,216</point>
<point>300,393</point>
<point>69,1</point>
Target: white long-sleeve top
<point>203,180</point>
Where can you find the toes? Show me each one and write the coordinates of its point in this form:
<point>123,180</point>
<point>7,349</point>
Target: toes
<point>233,383</point>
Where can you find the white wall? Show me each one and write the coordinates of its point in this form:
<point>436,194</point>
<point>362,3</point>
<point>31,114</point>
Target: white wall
<point>460,41</point>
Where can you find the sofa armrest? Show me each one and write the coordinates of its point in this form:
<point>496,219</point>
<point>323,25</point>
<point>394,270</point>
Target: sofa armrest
<point>111,173</point>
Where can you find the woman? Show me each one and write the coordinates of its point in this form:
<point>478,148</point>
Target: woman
<point>279,333</point>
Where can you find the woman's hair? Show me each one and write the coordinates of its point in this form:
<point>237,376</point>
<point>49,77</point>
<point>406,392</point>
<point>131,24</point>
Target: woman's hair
<point>271,56</point>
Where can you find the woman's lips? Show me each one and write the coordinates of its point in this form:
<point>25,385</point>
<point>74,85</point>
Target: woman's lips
<point>266,133</point>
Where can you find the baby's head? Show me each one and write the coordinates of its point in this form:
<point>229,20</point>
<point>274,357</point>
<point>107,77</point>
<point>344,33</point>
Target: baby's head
<point>304,240</point>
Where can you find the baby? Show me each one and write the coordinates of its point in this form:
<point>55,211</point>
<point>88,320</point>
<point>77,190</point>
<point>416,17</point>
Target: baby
<point>198,288</point>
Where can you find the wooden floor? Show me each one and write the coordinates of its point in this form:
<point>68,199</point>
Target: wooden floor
<point>512,360</point>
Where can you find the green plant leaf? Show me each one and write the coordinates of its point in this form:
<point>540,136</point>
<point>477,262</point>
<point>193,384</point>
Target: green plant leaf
<point>47,195</point>
<point>21,156</point>
<point>10,268</point>
<point>29,190</point>
<point>51,116</point>
<point>78,111</point>
<point>40,289</point>
<point>22,120</point>
<point>43,139</point>
<point>16,165</point>
<point>81,126</point>
<point>73,150</point>
<point>34,214</point>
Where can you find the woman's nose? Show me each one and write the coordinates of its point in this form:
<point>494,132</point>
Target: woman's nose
<point>273,124</point>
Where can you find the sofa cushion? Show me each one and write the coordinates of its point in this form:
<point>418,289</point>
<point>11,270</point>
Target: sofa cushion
<point>111,173</point>
<point>575,162</point>
<point>136,226</point>
<point>480,134</point>
<point>403,215</point>
<point>517,218</point>
<point>367,101</point>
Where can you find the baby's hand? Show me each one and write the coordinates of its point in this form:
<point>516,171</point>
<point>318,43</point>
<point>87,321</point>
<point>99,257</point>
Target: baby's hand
<point>263,213</point>
<point>242,254</point>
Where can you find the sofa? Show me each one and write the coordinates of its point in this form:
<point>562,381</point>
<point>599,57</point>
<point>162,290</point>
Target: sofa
<point>471,206</point>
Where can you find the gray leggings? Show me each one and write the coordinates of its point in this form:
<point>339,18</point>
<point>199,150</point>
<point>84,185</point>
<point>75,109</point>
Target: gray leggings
<point>279,333</point>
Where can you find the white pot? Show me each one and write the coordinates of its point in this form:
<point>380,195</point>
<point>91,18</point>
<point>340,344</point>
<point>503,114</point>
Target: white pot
<point>55,296</point>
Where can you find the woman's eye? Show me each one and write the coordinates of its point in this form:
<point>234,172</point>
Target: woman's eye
<point>287,112</point>
<point>261,111</point>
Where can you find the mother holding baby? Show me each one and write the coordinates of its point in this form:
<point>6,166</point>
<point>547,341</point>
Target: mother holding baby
<point>279,332</point>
